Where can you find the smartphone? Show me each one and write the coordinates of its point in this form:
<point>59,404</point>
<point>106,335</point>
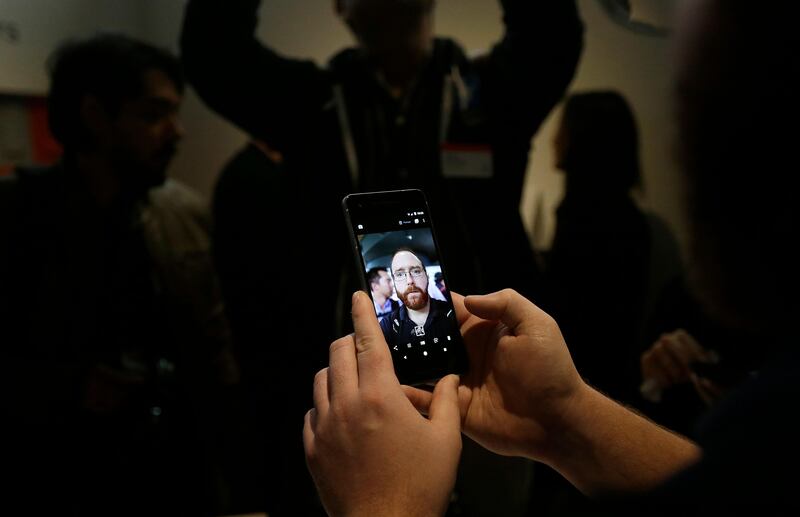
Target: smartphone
<point>401,269</point>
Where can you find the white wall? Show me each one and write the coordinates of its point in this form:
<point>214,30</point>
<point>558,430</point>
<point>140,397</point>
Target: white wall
<point>42,24</point>
<point>636,65</point>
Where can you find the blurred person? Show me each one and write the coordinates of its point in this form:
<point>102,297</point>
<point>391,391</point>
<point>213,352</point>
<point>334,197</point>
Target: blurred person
<point>116,344</point>
<point>690,360</point>
<point>438,281</point>
<point>603,256</point>
<point>523,395</point>
<point>381,287</point>
<point>419,315</point>
<point>401,109</point>
<point>671,360</point>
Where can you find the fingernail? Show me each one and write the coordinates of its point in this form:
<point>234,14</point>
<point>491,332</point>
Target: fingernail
<point>355,297</point>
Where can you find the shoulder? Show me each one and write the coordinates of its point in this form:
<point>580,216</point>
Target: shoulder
<point>31,175</point>
<point>448,54</point>
<point>450,48</point>
<point>249,174</point>
<point>29,196</point>
<point>175,209</point>
<point>441,307</point>
<point>391,321</point>
<point>344,64</point>
<point>9,187</point>
<point>29,183</point>
<point>176,196</point>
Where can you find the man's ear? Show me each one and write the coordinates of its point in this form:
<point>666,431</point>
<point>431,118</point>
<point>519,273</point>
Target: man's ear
<point>94,115</point>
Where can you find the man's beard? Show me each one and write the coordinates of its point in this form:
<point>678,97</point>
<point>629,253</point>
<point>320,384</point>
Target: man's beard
<point>414,298</point>
<point>139,175</point>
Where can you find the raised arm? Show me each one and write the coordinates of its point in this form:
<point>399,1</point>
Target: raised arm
<point>531,67</point>
<point>269,96</point>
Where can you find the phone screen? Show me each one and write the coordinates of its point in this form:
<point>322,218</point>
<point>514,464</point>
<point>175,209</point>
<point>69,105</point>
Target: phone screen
<point>402,271</point>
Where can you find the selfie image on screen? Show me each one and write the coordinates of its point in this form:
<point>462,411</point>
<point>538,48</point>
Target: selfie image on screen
<point>410,296</point>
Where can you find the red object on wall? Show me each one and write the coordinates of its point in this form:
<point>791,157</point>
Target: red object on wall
<point>44,148</point>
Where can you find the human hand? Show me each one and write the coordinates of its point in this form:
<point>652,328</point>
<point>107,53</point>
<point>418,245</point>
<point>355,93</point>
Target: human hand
<point>369,450</point>
<point>669,361</point>
<point>522,383</point>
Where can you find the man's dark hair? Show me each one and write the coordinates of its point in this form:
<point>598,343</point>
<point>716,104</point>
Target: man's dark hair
<point>374,275</point>
<point>602,141</point>
<point>437,279</point>
<point>110,68</point>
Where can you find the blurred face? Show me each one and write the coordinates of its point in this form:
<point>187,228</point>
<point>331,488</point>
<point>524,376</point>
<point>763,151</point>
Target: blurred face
<point>703,70</point>
<point>384,285</point>
<point>718,151</point>
<point>411,280</point>
<point>144,135</point>
<point>388,27</point>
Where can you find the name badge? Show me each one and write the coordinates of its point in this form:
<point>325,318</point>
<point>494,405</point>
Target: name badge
<point>470,161</point>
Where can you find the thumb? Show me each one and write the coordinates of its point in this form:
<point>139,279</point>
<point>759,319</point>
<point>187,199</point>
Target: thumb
<point>444,409</point>
<point>506,306</point>
<point>372,352</point>
<point>420,399</point>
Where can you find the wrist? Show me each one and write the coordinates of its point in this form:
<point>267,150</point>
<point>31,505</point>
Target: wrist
<point>601,446</point>
<point>384,510</point>
<point>568,428</point>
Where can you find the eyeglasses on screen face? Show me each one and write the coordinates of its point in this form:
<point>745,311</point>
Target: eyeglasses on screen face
<point>402,276</point>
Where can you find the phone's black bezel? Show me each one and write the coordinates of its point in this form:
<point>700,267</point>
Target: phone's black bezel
<point>371,201</point>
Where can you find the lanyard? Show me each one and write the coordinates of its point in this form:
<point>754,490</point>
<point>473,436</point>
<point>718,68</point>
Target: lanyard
<point>452,84</point>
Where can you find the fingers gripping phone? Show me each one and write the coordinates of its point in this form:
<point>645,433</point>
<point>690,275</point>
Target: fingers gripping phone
<point>396,252</point>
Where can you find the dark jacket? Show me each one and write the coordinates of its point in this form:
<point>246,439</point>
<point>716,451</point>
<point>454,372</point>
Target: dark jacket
<point>399,329</point>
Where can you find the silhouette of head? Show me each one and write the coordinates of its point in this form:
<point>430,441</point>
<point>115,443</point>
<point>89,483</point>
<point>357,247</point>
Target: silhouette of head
<point>736,88</point>
<point>387,28</point>
<point>597,144</point>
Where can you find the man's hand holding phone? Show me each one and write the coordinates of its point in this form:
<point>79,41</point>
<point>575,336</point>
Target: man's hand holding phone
<point>522,382</point>
<point>369,450</point>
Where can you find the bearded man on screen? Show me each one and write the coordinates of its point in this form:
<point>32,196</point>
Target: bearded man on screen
<point>420,320</point>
